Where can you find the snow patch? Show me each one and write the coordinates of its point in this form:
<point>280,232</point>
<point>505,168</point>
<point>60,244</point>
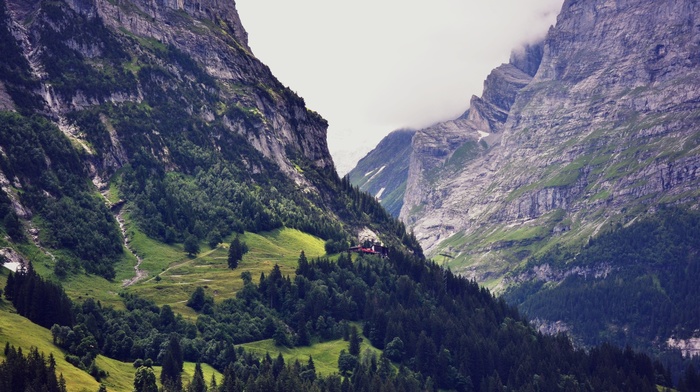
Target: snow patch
<point>377,173</point>
<point>379,194</point>
<point>482,135</point>
<point>12,265</point>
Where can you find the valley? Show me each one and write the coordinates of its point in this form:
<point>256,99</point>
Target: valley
<point>179,215</point>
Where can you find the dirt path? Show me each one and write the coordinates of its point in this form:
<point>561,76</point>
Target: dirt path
<point>139,274</point>
<point>188,260</point>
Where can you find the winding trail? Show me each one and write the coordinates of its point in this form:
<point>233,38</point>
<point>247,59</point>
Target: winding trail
<point>139,274</point>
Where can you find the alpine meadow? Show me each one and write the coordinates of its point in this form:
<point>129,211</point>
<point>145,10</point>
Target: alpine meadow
<point>172,220</point>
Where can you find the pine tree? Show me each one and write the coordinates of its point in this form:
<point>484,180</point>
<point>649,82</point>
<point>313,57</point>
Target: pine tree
<point>212,384</point>
<point>197,384</point>
<point>172,365</point>
<point>236,251</point>
<point>228,383</point>
<point>355,341</point>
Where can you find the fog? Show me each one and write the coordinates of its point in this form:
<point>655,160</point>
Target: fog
<point>370,67</point>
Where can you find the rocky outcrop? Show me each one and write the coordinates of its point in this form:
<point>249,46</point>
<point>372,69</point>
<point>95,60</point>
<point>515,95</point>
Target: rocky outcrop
<point>207,31</point>
<point>445,149</point>
<point>605,129</point>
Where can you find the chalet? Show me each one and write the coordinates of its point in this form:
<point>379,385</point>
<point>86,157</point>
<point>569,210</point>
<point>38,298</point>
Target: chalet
<point>374,249</point>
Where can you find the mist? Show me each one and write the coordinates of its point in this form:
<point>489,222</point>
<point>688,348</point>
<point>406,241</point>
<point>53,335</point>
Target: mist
<point>370,67</point>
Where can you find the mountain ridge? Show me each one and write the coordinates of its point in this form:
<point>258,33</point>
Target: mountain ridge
<point>556,149</point>
<point>603,136</point>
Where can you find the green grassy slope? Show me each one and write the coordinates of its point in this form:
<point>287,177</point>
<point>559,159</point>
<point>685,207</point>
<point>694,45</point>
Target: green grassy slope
<point>180,274</point>
<point>20,332</point>
<point>324,354</point>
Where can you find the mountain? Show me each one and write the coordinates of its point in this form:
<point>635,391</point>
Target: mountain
<point>576,139</point>
<point>134,132</point>
<point>595,125</point>
<point>383,171</point>
<point>163,108</point>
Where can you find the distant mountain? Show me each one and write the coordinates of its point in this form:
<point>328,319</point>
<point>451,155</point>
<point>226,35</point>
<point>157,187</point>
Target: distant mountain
<point>132,132</point>
<point>605,130</point>
<point>591,130</point>
<point>383,172</point>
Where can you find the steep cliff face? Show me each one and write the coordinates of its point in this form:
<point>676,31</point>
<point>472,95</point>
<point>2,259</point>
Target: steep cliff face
<point>445,146</point>
<point>606,129</point>
<point>204,34</point>
<point>165,109</point>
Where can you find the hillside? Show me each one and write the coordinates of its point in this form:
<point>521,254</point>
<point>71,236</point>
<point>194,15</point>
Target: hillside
<point>383,171</point>
<point>576,132</point>
<point>632,285</point>
<point>170,202</point>
<point>592,129</point>
<point>161,113</point>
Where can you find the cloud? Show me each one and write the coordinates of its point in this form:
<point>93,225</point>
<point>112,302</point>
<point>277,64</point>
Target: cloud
<point>370,67</point>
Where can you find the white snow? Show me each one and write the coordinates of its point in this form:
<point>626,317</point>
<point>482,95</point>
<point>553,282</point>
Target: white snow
<point>379,194</point>
<point>377,173</point>
<point>482,135</point>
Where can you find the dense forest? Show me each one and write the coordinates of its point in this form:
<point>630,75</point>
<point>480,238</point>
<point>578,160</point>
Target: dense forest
<point>461,337</point>
<point>647,292</point>
<point>187,177</point>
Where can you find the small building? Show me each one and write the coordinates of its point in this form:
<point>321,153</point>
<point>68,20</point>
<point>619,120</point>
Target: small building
<point>374,249</point>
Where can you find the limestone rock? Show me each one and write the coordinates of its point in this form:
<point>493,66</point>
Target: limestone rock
<point>606,129</point>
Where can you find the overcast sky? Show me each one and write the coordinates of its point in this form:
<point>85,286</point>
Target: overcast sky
<point>372,66</point>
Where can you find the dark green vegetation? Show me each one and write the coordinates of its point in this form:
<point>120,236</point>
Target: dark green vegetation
<point>461,338</point>
<point>33,372</point>
<point>183,178</point>
<point>385,169</point>
<point>54,184</point>
<point>181,154</point>
<point>639,285</point>
<point>236,251</point>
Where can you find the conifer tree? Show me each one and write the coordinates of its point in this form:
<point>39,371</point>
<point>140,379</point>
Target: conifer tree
<point>197,384</point>
<point>236,251</point>
<point>172,365</point>
<point>355,341</point>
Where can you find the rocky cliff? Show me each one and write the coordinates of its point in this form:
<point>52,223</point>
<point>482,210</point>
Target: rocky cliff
<point>162,108</point>
<point>605,129</point>
<point>209,33</point>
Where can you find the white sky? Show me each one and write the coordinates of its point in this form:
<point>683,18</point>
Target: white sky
<point>370,67</point>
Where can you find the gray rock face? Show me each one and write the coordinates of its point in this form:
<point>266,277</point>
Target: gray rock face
<point>384,170</point>
<point>606,129</point>
<point>211,33</point>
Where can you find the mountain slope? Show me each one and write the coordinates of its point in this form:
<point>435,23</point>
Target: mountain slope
<point>605,130</point>
<point>603,136</point>
<point>643,273</point>
<point>384,170</point>
<point>132,119</point>
<point>163,109</point>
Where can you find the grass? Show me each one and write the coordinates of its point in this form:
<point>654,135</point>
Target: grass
<point>179,274</point>
<point>22,333</point>
<point>325,354</point>
<point>207,371</point>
